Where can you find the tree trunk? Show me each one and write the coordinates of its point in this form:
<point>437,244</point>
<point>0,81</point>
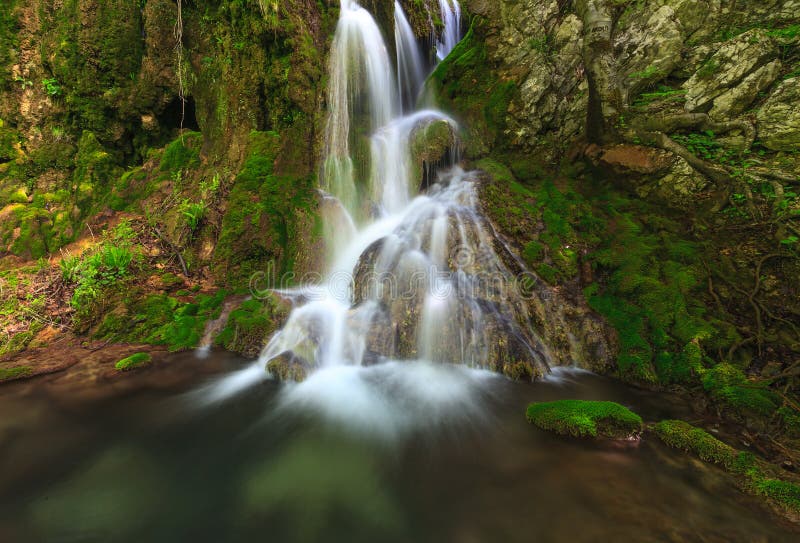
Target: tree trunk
<point>605,97</point>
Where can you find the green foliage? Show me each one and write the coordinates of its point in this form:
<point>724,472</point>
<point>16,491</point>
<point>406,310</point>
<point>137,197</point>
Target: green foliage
<point>662,94</point>
<point>100,269</point>
<point>51,87</point>
<point>581,418</point>
<point>648,73</point>
<point>134,361</point>
<point>194,212</point>
<point>540,44</point>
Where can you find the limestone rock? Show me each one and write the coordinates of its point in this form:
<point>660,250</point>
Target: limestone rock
<point>730,65</point>
<point>736,100</point>
<point>779,117</point>
<point>679,188</point>
<point>651,50</point>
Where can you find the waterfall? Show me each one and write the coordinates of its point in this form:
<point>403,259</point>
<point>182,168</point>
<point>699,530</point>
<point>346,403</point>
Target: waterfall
<point>361,96</point>
<point>451,34</point>
<point>414,275</point>
<point>410,65</point>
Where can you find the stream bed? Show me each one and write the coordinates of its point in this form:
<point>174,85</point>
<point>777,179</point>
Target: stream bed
<point>397,452</point>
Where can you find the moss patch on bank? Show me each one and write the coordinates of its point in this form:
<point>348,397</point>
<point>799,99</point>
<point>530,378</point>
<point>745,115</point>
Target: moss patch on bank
<point>754,476</point>
<point>579,418</point>
<point>466,83</point>
<point>134,361</point>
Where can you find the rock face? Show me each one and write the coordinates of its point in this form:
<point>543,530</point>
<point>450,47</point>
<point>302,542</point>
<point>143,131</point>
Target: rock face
<point>735,62</point>
<point>779,117</point>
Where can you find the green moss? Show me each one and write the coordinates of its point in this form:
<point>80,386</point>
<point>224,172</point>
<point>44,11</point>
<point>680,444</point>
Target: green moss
<point>250,324</point>
<point>161,320</point>
<point>754,475</point>
<point>466,84</point>
<point>267,217</point>
<point>287,369</point>
<point>183,153</point>
<point>134,361</point>
<point>682,435</point>
<point>581,418</point>
<point>9,26</point>
<point>9,374</point>
<point>728,385</point>
<point>784,493</point>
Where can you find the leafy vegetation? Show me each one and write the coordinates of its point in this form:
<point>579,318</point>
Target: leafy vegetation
<point>105,267</point>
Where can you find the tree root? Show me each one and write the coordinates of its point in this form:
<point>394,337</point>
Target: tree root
<point>653,131</point>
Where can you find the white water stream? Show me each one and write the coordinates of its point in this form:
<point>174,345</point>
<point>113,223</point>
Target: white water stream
<point>409,283</point>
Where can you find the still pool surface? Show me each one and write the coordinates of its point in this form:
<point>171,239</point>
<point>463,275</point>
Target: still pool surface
<point>404,452</point>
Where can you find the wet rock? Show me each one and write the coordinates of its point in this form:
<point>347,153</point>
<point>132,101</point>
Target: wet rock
<point>433,144</point>
<point>289,367</point>
<point>728,67</point>
<point>779,117</point>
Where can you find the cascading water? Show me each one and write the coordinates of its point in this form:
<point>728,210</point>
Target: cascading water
<point>362,94</point>
<point>414,275</point>
<point>410,65</point>
<point>451,34</point>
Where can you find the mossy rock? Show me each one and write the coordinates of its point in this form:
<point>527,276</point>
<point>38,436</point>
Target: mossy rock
<point>10,374</point>
<point>134,361</point>
<point>250,325</point>
<point>287,367</point>
<point>581,418</point>
<point>682,435</point>
<point>754,476</point>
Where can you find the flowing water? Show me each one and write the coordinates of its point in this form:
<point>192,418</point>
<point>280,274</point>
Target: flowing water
<point>412,273</point>
<point>394,452</point>
<point>398,433</point>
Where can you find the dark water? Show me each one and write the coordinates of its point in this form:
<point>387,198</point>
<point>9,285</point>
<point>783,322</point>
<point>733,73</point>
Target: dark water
<point>146,463</point>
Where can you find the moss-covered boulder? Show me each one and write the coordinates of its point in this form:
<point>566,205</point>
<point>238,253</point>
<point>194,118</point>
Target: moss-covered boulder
<point>581,418</point>
<point>753,475</point>
<point>682,435</point>
<point>134,361</point>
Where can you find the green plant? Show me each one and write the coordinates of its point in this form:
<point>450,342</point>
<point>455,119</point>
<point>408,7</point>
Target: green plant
<point>51,87</point>
<point>194,213</point>
<point>662,93</point>
<point>647,73</point>
<point>70,268</point>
